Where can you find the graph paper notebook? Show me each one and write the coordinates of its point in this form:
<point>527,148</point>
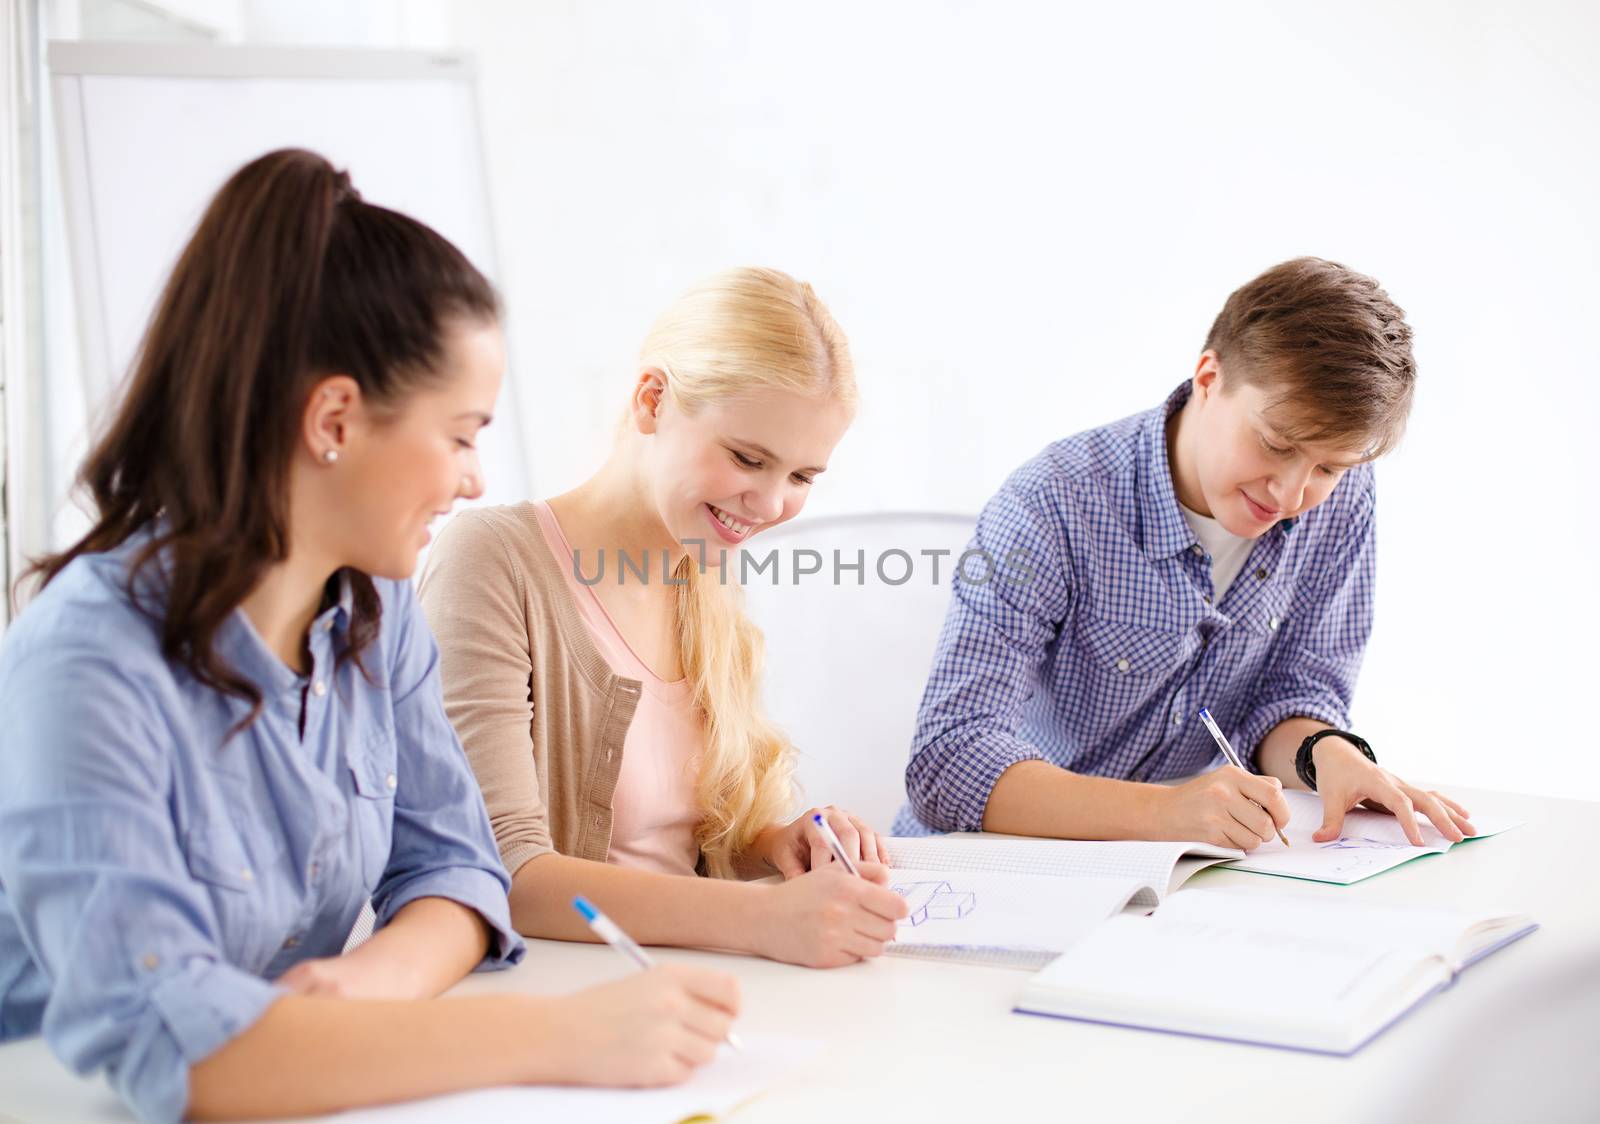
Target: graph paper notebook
<point>1019,902</point>
<point>1369,843</point>
<point>1266,968</point>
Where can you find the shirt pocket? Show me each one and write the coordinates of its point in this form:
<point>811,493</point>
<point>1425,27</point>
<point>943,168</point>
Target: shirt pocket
<point>1127,666</point>
<point>1242,652</point>
<point>238,882</point>
<point>1268,616</point>
<point>373,782</point>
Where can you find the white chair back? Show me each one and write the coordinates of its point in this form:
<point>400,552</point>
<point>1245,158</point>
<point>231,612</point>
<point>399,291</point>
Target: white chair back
<point>848,651</point>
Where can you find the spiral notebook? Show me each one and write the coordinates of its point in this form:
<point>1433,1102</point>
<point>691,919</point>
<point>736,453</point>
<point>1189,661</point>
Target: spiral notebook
<point>1017,902</point>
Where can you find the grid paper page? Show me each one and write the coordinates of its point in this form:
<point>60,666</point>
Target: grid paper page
<point>1024,959</point>
<point>1152,863</point>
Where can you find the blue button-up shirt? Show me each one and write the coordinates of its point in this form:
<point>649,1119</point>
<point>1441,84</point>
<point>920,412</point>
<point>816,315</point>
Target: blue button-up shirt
<point>1090,638</point>
<point>156,873</point>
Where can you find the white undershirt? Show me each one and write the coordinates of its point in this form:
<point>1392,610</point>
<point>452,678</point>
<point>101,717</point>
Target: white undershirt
<point>1228,551</point>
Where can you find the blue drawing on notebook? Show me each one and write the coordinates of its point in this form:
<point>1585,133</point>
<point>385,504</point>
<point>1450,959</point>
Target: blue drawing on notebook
<point>1363,843</point>
<point>934,901</point>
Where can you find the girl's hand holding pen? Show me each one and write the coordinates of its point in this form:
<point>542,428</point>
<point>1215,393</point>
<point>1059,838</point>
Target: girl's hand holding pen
<point>655,1027</point>
<point>828,918</point>
<point>796,847</point>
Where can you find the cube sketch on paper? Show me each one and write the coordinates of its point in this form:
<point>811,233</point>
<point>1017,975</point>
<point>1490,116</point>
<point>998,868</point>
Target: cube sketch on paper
<point>1363,843</point>
<point>935,901</point>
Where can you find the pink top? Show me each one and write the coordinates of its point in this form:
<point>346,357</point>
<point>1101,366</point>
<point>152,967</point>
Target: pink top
<point>653,812</point>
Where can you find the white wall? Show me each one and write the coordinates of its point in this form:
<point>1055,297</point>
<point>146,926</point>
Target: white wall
<point>1025,215</point>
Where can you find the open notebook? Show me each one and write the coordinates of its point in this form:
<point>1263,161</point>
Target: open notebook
<point>1018,902</point>
<point>1369,843</point>
<point>1268,968</point>
<point>733,1078</point>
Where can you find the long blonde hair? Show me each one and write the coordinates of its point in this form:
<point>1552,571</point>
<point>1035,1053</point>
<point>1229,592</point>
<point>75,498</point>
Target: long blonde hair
<point>740,331</point>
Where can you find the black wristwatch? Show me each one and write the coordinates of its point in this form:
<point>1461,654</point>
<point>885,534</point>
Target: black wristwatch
<point>1306,769</point>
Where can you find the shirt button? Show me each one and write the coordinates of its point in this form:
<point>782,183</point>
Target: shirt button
<point>247,874</point>
<point>598,820</point>
<point>1196,550</point>
<point>1261,574</point>
<point>292,942</point>
<point>151,961</point>
<point>1123,665</point>
<point>1274,623</point>
<point>1206,597</point>
<point>1177,719</point>
<point>319,688</point>
<point>327,625</point>
<point>316,869</point>
<point>390,780</point>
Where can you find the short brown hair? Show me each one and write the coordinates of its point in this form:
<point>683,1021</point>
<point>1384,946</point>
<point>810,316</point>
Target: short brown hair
<point>1328,344</point>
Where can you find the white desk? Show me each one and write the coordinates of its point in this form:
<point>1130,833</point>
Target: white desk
<point>927,1041</point>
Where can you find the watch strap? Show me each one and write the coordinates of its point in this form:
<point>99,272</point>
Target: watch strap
<point>1306,769</point>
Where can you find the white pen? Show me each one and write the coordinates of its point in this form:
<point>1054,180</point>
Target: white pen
<point>610,932</point>
<point>1233,759</point>
<point>833,842</point>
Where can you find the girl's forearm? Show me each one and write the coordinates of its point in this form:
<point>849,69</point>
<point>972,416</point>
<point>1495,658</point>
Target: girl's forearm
<point>309,1055</point>
<point>659,909</point>
<point>427,946</point>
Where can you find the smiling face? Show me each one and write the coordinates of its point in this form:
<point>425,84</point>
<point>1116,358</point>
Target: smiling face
<point>1233,457</point>
<point>735,467</point>
<point>401,468</point>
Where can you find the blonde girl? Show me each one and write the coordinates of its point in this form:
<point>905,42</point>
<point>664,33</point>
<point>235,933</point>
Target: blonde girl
<point>604,679</point>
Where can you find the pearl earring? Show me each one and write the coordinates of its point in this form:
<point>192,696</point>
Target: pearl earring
<point>329,456</point>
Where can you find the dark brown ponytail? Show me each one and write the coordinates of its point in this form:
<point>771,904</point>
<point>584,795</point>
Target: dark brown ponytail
<point>289,277</point>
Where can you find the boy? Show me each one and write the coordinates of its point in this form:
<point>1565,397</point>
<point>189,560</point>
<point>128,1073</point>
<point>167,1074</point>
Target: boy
<point>1216,551</point>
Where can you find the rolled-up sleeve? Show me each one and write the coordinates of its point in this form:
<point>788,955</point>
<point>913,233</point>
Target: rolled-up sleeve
<point>100,887</point>
<point>1006,607</point>
<point>1313,667</point>
<point>443,846</point>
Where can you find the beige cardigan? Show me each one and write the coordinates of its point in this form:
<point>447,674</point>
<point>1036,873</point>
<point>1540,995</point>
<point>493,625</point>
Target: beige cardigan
<point>538,708</point>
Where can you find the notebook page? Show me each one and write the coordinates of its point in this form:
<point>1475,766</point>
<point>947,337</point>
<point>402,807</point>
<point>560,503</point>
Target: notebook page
<point>1265,970</point>
<point>1006,912</point>
<point>1143,861</point>
<point>736,1076</point>
<point>1369,843</point>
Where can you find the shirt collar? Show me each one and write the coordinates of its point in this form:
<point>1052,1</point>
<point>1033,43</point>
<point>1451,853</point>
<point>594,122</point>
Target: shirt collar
<point>336,618</point>
<point>1163,530</point>
<point>242,647</point>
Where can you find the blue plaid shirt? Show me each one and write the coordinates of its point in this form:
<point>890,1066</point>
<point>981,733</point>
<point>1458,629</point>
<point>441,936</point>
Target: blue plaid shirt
<point>1091,639</point>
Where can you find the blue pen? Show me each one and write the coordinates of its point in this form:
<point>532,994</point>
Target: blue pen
<point>1233,759</point>
<point>833,843</point>
<point>610,932</point>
